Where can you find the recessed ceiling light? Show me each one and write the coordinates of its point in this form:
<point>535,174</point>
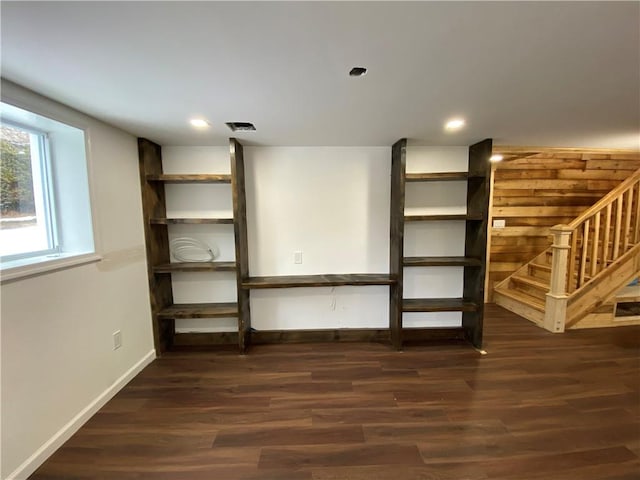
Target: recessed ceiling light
<point>454,124</point>
<point>357,72</point>
<point>198,123</point>
<point>496,158</point>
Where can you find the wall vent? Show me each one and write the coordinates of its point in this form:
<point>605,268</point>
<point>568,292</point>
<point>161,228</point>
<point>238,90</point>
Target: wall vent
<point>241,126</point>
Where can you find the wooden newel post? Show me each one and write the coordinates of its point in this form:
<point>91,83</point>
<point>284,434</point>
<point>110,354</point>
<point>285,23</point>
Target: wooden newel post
<point>555,311</point>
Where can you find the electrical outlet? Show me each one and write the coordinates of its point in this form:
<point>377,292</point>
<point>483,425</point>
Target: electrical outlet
<point>499,223</point>
<point>297,257</point>
<point>117,339</point>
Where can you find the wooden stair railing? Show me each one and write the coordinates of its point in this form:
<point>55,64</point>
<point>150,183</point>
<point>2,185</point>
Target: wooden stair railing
<point>603,243</point>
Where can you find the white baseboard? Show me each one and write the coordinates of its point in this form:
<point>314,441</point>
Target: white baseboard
<point>50,446</point>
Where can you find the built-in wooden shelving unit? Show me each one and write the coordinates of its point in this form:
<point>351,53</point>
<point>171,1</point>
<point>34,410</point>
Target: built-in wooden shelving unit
<point>165,311</point>
<point>160,268</point>
<point>473,261</point>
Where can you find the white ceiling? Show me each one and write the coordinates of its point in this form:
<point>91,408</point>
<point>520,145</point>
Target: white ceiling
<point>540,73</point>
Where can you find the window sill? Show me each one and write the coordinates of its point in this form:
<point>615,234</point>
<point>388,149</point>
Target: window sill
<point>19,269</point>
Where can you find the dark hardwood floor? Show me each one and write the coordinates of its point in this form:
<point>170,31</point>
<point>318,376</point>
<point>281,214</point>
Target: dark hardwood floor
<point>537,406</point>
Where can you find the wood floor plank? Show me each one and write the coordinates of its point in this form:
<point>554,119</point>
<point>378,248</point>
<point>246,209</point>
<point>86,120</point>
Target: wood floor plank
<point>376,415</point>
<point>345,455</point>
<point>140,441</point>
<point>537,406</point>
<point>629,470</point>
<point>290,436</point>
<point>456,471</point>
<point>276,389</point>
<point>560,465</point>
<point>434,431</point>
<point>336,400</point>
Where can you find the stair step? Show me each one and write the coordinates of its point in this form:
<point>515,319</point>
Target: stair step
<point>532,282</point>
<point>521,304</point>
<point>522,297</point>
<point>530,286</point>
<point>541,271</point>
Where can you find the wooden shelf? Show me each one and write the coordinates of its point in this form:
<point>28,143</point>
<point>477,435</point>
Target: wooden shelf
<point>441,262</point>
<point>329,335</point>
<point>426,218</point>
<point>199,310</point>
<point>195,267</point>
<point>440,176</point>
<point>190,178</point>
<point>328,280</point>
<point>432,334</point>
<point>173,221</point>
<point>203,340</point>
<point>438,305</point>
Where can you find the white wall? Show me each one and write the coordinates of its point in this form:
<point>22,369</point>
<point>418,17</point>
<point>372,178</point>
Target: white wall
<point>331,204</point>
<point>439,238</point>
<point>58,362</point>
<point>202,201</point>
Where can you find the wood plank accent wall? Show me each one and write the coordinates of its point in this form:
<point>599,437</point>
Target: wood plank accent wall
<point>537,188</point>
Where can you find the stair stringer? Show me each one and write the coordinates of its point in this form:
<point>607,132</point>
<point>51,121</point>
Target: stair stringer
<point>603,288</point>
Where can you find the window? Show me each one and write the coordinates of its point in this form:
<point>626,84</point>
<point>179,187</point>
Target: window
<point>45,210</point>
<point>26,221</point>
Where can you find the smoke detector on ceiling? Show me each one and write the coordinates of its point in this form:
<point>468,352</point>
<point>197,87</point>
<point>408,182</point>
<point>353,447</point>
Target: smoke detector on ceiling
<point>241,126</point>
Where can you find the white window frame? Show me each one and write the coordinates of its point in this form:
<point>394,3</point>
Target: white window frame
<point>58,258</point>
<point>42,190</point>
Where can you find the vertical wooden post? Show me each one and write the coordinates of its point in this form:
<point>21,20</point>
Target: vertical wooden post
<point>595,245</point>
<point>627,235</point>
<point>488,289</point>
<point>475,244</point>
<point>396,243</point>
<point>157,242</point>
<point>617,229</point>
<point>555,312</point>
<point>241,242</point>
<point>636,236</point>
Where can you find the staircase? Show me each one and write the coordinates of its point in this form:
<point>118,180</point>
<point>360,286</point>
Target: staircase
<point>574,282</point>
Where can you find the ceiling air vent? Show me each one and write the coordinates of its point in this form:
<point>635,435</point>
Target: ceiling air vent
<point>241,126</point>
